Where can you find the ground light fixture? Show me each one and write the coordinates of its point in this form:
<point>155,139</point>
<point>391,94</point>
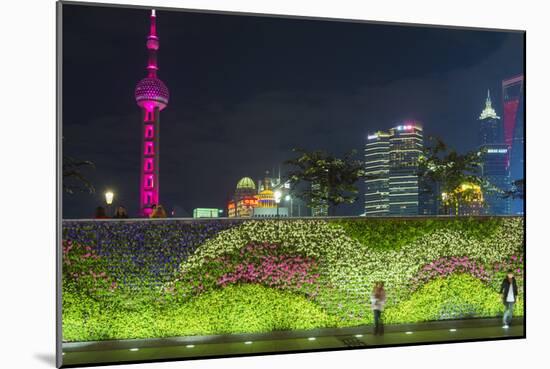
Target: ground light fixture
<point>189,346</point>
<point>408,332</point>
<point>358,335</point>
<point>248,343</point>
<point>134,349</point>
<point>452,330</point>
<point>311,339</point>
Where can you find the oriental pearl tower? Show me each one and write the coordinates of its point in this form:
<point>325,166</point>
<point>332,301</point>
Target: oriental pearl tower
<point>152,97</point>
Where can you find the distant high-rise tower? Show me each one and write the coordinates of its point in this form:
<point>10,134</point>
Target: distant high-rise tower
<point>490,131</point>
<point>151,96</point>
<point>321,208</point>
<point>391,166</point>
<point>494,160</point>
<point>514,131</point>
<point>406,146</point>
<point>377,174</point>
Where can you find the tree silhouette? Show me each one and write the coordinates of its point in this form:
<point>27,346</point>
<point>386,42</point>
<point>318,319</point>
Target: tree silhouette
<point>329,181</point>
<point>73,179</point>
<point>458,175</point>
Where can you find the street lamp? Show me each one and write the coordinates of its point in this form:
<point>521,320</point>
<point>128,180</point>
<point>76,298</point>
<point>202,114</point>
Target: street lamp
<point>278,194</point>
<point>289,198</point>
<point>109,195</point>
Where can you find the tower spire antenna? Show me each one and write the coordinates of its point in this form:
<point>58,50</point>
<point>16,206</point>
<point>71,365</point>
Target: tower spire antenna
<point>488,112</point>
<point>153,46</point>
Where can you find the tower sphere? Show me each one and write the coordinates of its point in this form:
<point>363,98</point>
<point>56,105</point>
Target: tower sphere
<point>152,92</point>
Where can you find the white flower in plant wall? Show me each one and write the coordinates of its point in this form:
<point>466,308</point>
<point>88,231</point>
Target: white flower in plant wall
<point>353,268</point>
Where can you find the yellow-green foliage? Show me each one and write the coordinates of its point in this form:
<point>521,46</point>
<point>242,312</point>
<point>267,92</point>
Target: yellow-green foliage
<point>235,309</point>
<point>457,296</point>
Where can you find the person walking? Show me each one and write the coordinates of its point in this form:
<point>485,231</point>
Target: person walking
<point>158,212</point>
<point>509,294</point>
<point>378,300</point>
<point>121,213</point>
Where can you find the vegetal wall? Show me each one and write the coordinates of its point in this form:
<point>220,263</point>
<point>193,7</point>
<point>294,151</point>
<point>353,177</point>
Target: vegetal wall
<point>139,279</point>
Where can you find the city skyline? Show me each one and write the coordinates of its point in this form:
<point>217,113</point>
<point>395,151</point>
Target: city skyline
<point>245,118</point>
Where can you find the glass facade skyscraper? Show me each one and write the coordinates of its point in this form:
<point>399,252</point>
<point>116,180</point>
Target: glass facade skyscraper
<point>377,170</point>
<point>494,160</point>
<point>391,165</point>
<point>406,146</point>
<point>494,170</point>
<point>514,131</point>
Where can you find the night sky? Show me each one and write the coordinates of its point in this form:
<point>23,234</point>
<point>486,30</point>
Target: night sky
<point>245,90</point>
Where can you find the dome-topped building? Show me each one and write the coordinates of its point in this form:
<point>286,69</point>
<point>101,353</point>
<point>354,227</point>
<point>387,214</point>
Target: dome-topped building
<point>245,187</point>
<point>244,199</point>
<point>246,182</point>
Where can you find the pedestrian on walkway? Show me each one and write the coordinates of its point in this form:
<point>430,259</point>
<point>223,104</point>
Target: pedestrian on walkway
<point>378,300</point>
<point>158,212</point>
<point>509,294</point>
<point>121,213</point>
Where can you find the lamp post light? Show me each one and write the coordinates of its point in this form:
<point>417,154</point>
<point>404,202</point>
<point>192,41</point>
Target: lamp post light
<point>109,196</point>
<point>278,194</point>
<point>289,199</point>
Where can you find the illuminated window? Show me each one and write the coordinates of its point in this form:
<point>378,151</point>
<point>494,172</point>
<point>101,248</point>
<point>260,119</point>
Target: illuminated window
<point>149,148</point>
<point>148,167</point>
<point>149,115</point>
<point>149,181</point>
<point>148,198</point>
<point>149,131</point>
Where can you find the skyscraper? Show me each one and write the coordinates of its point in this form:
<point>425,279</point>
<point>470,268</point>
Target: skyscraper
<point>151,96</point>
<point>514,130</point>
<point>377,171</point>
<point>406,146</point>
<point>490,129</point>
<point>391,165</point>
<point>320,209</point>
<point>494,160</point>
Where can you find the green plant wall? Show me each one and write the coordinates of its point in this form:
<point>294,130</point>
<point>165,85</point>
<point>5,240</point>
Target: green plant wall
<point>266,275</point>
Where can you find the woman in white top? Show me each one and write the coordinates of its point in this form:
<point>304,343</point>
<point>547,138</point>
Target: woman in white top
<point>378,300</point>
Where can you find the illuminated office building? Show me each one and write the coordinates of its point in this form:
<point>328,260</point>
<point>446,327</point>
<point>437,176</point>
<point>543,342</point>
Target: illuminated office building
<point>250,202</point>
<point>470,200</point>
<point>391,166</point>
<point>207,212</point>
<point>377,174</point>
<point>406,146</point>
<point>244,199</point>
<point>514,132</point>
<point>267,207</point>
<point>494,160</point>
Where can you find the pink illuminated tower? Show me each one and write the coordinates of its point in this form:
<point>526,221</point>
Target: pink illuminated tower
<point>151,96</point>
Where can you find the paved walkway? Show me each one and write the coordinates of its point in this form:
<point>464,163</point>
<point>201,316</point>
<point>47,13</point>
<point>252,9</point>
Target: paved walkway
<point>125,351</point>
